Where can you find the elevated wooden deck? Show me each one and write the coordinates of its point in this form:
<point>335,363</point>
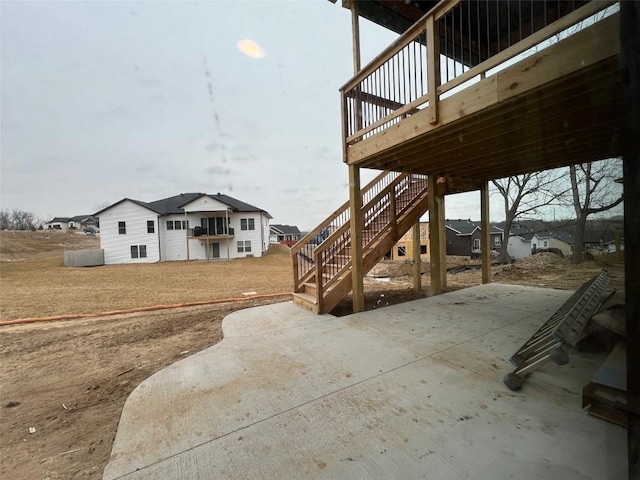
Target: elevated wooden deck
<point>559,106</point>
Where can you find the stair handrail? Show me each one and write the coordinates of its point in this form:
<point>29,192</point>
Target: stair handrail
<point>305,246</point>
<point>330,240</point>
<point>321,283</point>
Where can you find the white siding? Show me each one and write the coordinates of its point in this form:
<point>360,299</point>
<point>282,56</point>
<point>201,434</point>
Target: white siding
<point>57,225</point>
<point>564,247</point>
<point>518,248</point>
<point>174,242</point>
<point>258,237</point>
<point>117,247</point>
<point>266,229</point>
<point>205,204</point>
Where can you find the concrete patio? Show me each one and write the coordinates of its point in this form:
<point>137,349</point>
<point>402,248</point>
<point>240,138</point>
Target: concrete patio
<point>406,391</point>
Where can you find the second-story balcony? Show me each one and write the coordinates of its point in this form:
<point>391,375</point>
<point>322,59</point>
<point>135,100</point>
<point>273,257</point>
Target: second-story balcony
<point>212,228</point>
<point>481,90</point>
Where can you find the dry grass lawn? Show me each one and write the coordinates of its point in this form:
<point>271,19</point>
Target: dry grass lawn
<point>35,283</point>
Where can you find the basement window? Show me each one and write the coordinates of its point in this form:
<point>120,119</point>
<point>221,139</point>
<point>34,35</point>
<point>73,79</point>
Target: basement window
<point>138,251</point>
<point>244,246</point>
<point>402,251</point>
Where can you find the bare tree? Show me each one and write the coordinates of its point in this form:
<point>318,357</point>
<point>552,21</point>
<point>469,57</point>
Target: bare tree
<point>101,206</point>
<point>593,190</point>
<point>526,195</point>
<point>5,219</point>
<point>18,220</point>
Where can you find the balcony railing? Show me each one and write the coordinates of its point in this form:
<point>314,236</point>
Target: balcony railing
<point>446,51</point>
<point>199,231</point>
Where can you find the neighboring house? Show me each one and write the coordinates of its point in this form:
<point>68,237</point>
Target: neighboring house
<point>58,223</point>
<point>288,234</point>
<point>599,239</point>
<point>79,222</point>
<point>463,238</point>
<point>403,249</point>
<point>556,240</point>
<point>83,222</point>
<point>610,246</point>
<point>189,226</point>
<point>519,243</point>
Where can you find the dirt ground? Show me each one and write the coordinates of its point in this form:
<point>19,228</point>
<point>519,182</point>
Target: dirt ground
<point>67,381</point>
<point>35,283</point>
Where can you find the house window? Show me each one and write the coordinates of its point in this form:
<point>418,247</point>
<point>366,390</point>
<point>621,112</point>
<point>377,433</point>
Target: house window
<point>169,224</point>
<point>122,228</point>
<point>138,251</point>
<point>247,224</point>
<point>476,244</point>
<point>423,249</point>
<point>496,241</point>
<point>151,227</point>
<point>178,225</point>
<point>244,246</point>
<point>402,251</point>
<point>545,244</point>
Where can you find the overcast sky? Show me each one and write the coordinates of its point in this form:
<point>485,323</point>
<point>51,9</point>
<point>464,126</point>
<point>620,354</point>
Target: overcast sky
<point>106,100</point>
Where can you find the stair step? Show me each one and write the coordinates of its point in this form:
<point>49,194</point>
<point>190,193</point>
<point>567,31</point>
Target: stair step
<point>309,286</point>
<point>375,235</point>
<point>306,301</point>
<point>307,297</point>
<point>337,266</point>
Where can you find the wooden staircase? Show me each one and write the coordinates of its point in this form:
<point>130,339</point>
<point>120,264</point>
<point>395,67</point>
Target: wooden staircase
<point>391,204</point>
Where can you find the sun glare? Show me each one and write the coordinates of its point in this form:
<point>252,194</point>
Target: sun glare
<point>251,48</point>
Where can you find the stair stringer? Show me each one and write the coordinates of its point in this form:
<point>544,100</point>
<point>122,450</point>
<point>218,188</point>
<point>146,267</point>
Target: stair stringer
<point>384,242</point>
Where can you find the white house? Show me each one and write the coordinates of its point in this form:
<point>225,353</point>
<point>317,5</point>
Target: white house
<point>556,240</point>
<point>58,223</point>
<point>79,222</point>
<point>189,226</point>
<point>284,233</point>
<point>82,222</point>
<point>519,243</point>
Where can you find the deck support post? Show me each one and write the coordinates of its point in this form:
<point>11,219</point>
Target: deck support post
<point>355,195</point>
<point>443,233</point>
<point>417,262</point>
<point>355,205</point>
<point>437,240</point>
<point>355,32</point>
<point>186,233</point>
<point>630,65</point>
<point>485,239</point>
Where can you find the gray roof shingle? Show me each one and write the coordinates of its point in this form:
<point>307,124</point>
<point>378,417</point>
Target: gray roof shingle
<point>174,205</point>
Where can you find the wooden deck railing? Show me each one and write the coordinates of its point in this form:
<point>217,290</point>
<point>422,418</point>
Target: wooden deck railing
<point>326,251</point>
<point>302,252</point>
<point>332,258</point>
<point>453,45</point>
